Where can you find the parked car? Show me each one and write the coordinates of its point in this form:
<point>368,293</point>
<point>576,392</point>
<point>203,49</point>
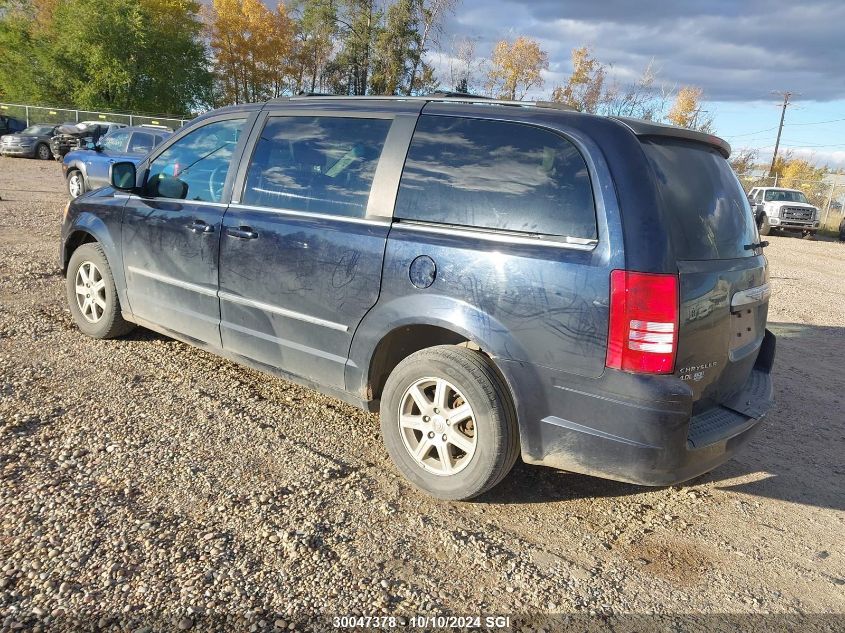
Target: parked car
<point>495,278</point>
<point>784,209</point>
<point>86,169</point>
<point>32,142</point>
<point>70,136</point>
<point>10,125</point>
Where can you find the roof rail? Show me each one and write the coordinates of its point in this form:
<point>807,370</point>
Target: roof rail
<point>447,97</point>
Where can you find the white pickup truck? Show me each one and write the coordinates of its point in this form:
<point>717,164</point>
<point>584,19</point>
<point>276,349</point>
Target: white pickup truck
<point>785,209</point>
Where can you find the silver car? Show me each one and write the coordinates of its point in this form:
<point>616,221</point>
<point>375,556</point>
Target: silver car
<point>33,142</point>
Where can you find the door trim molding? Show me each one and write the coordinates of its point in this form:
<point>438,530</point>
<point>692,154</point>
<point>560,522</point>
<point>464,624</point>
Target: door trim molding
<point>226,296</point>
<point>173,282</point>
<point>233,298</point>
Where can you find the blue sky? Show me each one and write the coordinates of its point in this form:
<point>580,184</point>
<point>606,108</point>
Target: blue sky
<point>738,51</point>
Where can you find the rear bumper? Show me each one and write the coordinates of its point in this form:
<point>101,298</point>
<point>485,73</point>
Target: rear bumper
<point>638,429</point>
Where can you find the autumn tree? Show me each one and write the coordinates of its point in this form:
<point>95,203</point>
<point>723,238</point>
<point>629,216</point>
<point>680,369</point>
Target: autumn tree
<point>516,67</point>
<point>803,174</point>
<point>585,89</point>
<point>743,161</point>
<point>251,45</point>
<point>686,110</point>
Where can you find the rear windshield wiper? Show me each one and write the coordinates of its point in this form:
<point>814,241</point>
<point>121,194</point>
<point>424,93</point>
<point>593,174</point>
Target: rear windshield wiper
<point>755,246</point>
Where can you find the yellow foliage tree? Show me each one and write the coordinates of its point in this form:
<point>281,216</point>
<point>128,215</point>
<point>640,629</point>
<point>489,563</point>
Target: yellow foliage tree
<point>686,110</point>
<point>799,173</point>
<point>251,45</point>
<point>516,68</point>
<point>584,90</point>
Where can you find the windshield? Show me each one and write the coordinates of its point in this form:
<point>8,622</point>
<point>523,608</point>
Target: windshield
<point>38,130</point>
<point>708,214</point>
<point>782,195</point>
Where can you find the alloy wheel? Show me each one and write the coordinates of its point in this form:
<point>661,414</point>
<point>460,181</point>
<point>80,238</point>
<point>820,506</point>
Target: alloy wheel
<point>75,185</point>
<point>437,426</point>
<point>90,292</point>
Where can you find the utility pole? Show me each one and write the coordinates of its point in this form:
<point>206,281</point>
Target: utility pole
<point>786,96</point>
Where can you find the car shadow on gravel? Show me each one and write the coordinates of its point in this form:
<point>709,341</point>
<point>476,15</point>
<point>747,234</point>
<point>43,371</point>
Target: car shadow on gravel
<point>539,484</point>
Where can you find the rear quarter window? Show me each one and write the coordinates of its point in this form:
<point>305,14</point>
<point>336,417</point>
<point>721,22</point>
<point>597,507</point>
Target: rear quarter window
<point>496,175</point>
<point>704,205</point>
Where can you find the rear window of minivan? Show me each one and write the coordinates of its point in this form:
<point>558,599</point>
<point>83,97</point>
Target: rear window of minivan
<point>708,213</point>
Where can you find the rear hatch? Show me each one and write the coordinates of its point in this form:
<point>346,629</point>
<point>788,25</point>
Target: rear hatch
<point>724,292</point>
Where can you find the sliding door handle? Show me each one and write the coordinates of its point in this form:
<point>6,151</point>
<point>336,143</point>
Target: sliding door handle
<point>198,226</point>
<point>242,232</point>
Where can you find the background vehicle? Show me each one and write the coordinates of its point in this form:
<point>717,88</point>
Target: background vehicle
<point>477,271</point>
<point>71,136</point>
<point>87,169</point>
<point>33,142</point>
<point>10,125</point>
<point>785,209</point>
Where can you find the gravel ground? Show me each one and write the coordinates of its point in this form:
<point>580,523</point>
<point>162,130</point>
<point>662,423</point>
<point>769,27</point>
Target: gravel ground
<point>149,484</point>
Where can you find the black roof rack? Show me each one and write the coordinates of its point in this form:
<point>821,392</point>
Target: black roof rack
<point>453,97</point>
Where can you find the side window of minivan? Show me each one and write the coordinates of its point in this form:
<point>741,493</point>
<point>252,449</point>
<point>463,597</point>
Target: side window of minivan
<point>195,166</point>
<point>315,164</point>
<point>496,175</point>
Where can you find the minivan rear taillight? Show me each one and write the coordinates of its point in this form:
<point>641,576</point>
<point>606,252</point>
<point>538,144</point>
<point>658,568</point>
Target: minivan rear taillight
<point>643,333</point>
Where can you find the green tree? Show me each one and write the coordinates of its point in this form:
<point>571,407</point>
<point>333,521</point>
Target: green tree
<point>396,50</point>
<point>358,28</point>
<point>139,55</point>
<point>316,29</point>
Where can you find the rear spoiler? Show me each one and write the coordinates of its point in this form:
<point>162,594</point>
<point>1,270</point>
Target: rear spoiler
<point>649,128</point>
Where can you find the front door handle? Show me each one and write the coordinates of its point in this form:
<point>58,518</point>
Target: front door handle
<point>242,232</point>
<point>198,226</point>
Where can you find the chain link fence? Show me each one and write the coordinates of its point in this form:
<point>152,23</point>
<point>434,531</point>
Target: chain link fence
<point>827,195</point>
<point>33,115</point>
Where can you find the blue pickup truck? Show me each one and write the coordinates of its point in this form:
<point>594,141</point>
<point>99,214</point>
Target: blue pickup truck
<point>87,169</point>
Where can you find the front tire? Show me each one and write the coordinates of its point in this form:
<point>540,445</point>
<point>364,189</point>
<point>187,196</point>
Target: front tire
<point>448,422</point>
<point>92,295</point>
<point>765,227</point>
<point>75,184</point>
<point>42,152</point>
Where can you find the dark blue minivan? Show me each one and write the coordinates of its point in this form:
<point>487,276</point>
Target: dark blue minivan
<point>497,279</point>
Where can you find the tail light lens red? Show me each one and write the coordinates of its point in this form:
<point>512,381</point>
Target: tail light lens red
<point>643,333</point>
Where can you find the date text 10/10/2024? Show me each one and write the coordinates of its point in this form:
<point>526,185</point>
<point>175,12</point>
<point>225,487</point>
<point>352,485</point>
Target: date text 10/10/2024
<point>422,621</point>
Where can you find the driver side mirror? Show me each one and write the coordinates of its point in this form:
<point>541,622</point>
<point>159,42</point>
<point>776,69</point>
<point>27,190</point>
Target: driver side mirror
<point>122,176</point>
<point>163,186</point>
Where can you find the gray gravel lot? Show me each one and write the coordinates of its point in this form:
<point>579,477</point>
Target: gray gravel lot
<point>148,483</point>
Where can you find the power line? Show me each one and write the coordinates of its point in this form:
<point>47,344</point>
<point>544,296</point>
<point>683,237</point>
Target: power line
<point>816,122</point>
<point>774,127</point>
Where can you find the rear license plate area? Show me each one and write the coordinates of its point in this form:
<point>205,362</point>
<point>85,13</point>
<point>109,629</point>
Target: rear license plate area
<point>744,330</point>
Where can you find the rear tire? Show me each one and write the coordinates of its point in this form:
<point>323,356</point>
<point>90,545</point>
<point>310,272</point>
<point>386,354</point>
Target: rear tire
<point>42,152</point>
<point>765,227</point>
<point>458,435</point>
<point>92,296</point>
